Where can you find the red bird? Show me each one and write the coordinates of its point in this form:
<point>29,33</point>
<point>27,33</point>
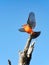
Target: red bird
<point>28,28</point>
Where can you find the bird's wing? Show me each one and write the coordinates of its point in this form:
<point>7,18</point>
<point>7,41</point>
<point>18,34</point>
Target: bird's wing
<point>35,34</point>
<point>21,30</point>
<point>31,20</point>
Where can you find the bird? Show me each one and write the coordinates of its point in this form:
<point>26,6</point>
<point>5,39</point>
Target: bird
<point>30,25</point>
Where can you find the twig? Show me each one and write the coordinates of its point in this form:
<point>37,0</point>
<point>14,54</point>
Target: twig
<point>9,62</point>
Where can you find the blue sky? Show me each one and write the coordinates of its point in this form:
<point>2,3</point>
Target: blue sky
<point>14,13</point>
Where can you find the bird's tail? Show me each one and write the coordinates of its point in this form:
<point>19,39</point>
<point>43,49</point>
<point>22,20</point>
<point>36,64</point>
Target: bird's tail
<point>35,34</point>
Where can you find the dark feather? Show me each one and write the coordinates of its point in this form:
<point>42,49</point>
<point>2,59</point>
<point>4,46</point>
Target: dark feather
<point>31,20</point>
<point>21,30</point>
<point>35,34</point>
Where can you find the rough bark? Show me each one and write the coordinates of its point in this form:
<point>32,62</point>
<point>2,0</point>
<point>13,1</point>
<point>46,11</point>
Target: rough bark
<point>26,54</point>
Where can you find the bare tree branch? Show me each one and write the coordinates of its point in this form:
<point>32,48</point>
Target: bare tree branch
<point>28,43</point>
<point>30,50</point>
<point>25,56</point>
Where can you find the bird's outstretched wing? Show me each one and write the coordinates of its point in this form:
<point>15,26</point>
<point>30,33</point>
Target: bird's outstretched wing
<point>35,34</point>
<point>31,20</point>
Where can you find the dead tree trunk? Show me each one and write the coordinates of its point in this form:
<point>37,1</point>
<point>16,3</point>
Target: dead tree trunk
<point>26,54</point>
